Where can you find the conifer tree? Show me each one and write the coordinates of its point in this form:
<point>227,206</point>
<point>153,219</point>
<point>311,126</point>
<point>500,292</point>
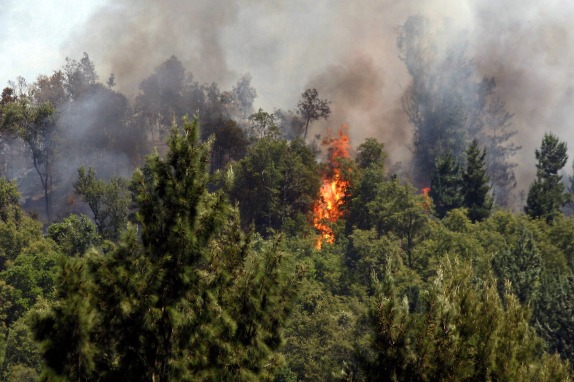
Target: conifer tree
<point>446,191</point>
<point>187,297</point>
<point>546,194</point>
<point>475,186</point>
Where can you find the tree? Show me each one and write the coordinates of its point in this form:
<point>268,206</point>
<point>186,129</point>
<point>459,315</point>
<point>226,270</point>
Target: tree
<point>496,136</point>
<point>460,329</point>
<point>36,125</point>
<point>371,153</point>
<point>448,104</point>
<point>546,194</point>
<point>521,265</point>
<point>475,185</point>
<point>446,191</point>
<point>161,97</point>
<point>79,75</point>
<point>230,144</point>
<point>187,297</point>
<point>262,124</point>
<point>75,235</point>
<point>109,202</point>
<point>312,108</point>
<point>244,93</point>
<point>276,185</point>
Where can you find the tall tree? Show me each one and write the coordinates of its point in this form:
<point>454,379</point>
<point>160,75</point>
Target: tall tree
<point>446,191</point>
<point>462,330</point>
<point>312,108</point>
<point>546,194</point>
<point>37,126</point>
<point>475,185</point>
<point>276,184</point>
<point>496,135</point>
<point>109,202</point>
<point>79,75</point>
<point>448,104</point>
<point>186,298</point>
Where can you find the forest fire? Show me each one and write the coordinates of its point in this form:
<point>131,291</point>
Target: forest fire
<point>427,203</point>
<point>327,209</point>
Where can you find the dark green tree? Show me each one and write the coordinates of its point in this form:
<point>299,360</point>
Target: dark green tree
<point>475,185</point>
<point>371,153</point>
<point>187,297</point>
<point>109,202</point>
<point>230,144</point>
<point>446,185</point>
<point>521,265</point>
<point>276,184</point>
<point>75,235</point>
<point>554,313</point>
<point>460,329</point>
<point>65,329</point>
<point>546,194</point>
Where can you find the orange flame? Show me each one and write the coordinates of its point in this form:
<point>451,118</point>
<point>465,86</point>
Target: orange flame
<point>327,209</point>
<point>427,202</point>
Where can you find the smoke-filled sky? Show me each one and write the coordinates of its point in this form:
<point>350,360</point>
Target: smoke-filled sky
<point>346,49</point>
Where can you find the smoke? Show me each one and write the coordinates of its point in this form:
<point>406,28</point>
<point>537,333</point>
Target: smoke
<point>347,50</point>
<point>528,47</point>
<point>129,38</point>
<point>355,90</point>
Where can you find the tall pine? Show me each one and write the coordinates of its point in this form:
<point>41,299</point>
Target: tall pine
<point>185,296</point>
<point>446,185</point>
<point>546,194</point>
<point>475,185</point>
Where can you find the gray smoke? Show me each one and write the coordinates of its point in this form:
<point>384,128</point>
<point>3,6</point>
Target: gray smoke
<point>347,50</point>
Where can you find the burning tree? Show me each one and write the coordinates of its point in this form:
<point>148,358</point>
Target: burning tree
<point>327,210</point>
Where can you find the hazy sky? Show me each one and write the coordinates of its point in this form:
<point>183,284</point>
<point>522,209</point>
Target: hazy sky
<point>32,31</point>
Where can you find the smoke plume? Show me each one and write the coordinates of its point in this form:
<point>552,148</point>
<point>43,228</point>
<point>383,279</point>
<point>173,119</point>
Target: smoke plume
<point>347,50</point>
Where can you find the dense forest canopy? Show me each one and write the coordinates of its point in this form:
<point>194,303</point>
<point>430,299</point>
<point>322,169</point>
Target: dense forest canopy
<point>177,231</point>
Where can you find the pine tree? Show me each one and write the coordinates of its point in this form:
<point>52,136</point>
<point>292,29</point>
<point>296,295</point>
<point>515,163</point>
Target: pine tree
<point>546,194</point>
<point>446,185</point>
<point>475,184</point>
<point>187,297</point>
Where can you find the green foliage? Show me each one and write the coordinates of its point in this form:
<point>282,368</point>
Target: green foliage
<point>17,229</point>
<point>520,265</point>
<point>109,202</point>
<point>75,235</point>
<point>546,194</point>
<point>36,125</point>
<point>386,206</point>
<point>23,356</point>
<point>189,297</point>
<point>64,328</point>
<point>554,313</point>
<point>475,185</point>
<point>276,184</point>
<point>371,153</point>
<point>230,145</point>
<point>32,276</point>
<point>461,330</point>
<point>262,124</point>
<point>446,185</point>
<point>323,332</point>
